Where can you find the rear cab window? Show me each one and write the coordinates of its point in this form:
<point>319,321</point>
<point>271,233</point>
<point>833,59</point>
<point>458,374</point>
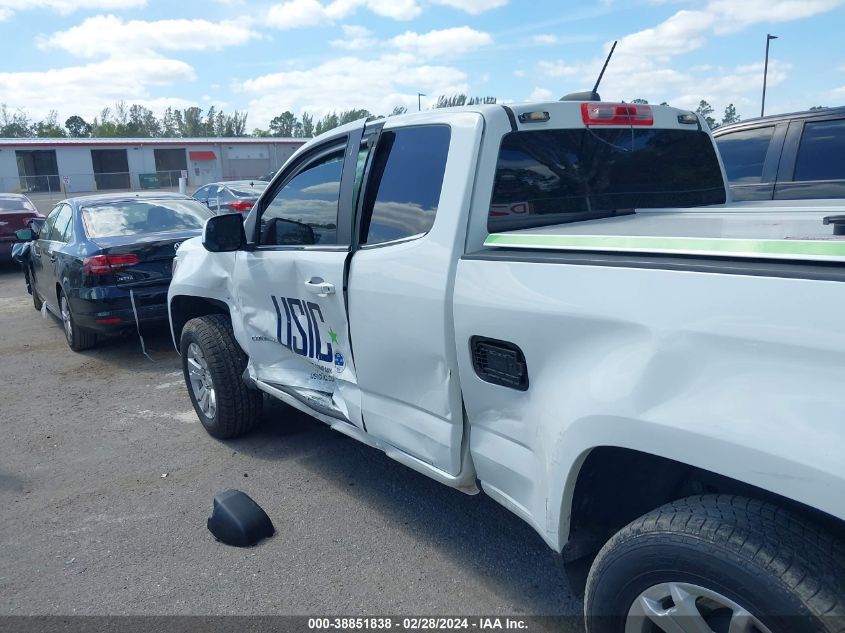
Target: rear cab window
<point>559,176</point>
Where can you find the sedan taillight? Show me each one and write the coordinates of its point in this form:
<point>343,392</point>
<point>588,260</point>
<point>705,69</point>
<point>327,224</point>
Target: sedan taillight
<point>105,264</point>
<point>240,206</point>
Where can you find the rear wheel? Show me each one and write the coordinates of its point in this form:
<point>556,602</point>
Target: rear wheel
<point>36,299</point>
<point>78,338</point>
<point>720,564</point>
<point>213,364</point>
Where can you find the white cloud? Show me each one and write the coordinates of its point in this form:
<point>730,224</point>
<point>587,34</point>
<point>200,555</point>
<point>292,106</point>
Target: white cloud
<point>443,43</point>
<point>85,90</point>
<point>301,13</point>
<point>335,85</point>
<point>473,7</point>
<point>355,38</point>
<point>544,38</point>
<point>683,32</point>
<point>558,68</point>
<point>519,73</point>
<point>110,35</point>
<point>734,16</point>
<point>8,7</point>
<point>541,94</point>
<point>642,65</point>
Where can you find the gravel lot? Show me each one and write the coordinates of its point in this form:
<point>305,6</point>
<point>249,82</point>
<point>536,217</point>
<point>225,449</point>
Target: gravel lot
<point>89,525</point>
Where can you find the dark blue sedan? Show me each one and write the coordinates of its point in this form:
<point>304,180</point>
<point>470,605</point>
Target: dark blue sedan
<point>96,256</point>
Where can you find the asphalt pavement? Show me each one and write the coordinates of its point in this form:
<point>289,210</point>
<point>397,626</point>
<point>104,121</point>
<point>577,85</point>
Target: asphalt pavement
<point>107,478</point>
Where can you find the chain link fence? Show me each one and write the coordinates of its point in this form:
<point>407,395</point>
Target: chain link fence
<point>45,191</point>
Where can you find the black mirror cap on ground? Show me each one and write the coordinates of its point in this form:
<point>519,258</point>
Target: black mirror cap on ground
<point>237,520</point>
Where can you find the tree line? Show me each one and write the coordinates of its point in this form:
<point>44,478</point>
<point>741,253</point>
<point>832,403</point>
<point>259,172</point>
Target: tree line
<point>136,121</point>
<point>125,121</point>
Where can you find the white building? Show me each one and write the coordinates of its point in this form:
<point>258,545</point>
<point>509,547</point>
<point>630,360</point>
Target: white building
<point>82,165</point>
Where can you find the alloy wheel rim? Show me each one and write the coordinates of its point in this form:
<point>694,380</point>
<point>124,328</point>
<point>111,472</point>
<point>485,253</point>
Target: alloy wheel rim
<point>201,383</point>
<point>65,308</point>
<point>685,608</point>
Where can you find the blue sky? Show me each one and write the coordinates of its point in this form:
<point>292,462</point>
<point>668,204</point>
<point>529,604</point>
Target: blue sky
<point>79,56</point>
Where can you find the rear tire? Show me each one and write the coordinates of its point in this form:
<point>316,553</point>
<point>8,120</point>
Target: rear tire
<point>36,300</point>
<point>704,563</point>
<point>213,364</point>
<point>78,338</point>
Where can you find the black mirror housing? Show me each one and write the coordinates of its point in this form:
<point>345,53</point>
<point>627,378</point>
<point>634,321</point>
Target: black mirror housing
<point>25,235</point>
<point>224,233</point>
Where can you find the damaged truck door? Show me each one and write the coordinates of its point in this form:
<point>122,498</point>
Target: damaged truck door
<point>291,281</point>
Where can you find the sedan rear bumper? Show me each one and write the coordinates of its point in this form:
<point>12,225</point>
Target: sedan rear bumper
<point>108,309</point>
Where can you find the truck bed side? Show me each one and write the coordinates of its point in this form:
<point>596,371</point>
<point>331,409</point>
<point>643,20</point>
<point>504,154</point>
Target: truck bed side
<point>726,371</point>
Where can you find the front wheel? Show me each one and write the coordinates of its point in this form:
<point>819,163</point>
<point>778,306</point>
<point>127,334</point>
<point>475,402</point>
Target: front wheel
<point>720,564</point>
<point>213,364</point>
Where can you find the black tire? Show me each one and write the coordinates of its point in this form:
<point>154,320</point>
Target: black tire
<point>781,567</point>
<point>36,300</point>
<point>78,338</point>
<point>238,408</point>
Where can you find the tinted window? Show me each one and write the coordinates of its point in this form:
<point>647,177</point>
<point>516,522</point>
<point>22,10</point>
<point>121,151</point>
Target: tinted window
<point>821,155</point>
<point>744,153</point>
<point>49,222</point>
<point>304,211</point>
<point>407,176</point>
<point>553,176</point>
<point>60,226</point>
<point>148,216</point>
<point>67,233</point>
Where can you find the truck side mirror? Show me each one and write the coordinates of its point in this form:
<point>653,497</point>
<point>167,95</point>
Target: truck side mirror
<point>224,233</point>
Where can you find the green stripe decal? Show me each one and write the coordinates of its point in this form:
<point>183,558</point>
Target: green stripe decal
<point>746,247</point>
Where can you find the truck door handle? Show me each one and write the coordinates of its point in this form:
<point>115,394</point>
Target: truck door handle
<point>319,287</point>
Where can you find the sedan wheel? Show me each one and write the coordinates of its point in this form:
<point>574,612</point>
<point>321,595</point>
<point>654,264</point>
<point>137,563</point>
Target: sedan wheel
<point>78,338</point>
<point>66,321</point>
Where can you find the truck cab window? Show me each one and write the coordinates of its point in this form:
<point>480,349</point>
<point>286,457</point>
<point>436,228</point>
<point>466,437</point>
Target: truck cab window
<point>744,153</point>
<point>405,183</point>
<point>304,211</point>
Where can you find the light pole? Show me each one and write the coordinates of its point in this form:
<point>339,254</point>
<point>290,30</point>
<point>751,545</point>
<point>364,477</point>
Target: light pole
<point>769,38</point>
<point>419,101</point>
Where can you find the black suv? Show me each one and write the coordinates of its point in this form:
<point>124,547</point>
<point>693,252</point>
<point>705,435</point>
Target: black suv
<point>787,156</point>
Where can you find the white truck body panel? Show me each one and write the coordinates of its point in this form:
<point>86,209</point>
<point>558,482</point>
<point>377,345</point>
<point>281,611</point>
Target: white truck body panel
<point>724,372</point>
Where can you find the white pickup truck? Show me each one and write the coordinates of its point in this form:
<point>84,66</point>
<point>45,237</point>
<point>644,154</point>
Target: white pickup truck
<point>554,304</point>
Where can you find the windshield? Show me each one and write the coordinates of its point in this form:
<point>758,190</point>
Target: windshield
<point>132,217</point>
<point>555,176</point>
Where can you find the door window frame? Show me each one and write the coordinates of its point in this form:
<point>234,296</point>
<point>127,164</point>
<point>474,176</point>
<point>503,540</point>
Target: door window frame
<point>366,184</point>
<point>47,227</point>
<point>349,144</point>
<point>61,208</point>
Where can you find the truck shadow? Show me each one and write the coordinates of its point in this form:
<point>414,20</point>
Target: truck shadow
<point>498,547</point>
